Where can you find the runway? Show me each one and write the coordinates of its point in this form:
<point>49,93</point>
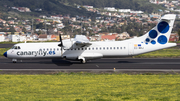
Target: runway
<point>100,65</point>
<point>6,45</point>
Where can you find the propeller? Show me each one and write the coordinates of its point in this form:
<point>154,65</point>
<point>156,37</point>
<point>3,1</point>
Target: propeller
<point>61,44</point>
<point>60,39</point>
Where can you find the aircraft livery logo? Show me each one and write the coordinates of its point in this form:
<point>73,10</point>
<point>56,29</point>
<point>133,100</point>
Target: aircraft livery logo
<point>36,53</point>
<point>158,34</point>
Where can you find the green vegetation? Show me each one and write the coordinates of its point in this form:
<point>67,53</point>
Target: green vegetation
<point>8,42</point>
<point>89,87</point>
<point>171,52</point>
<point>49,7</point>
<point>53,7</point>
<point>143,5</point>
<point>3,50</point>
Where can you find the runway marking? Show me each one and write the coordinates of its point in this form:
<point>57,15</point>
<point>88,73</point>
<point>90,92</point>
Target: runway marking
<point>97,66</point>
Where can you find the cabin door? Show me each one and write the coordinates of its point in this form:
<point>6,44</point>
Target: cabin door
<point>130,49</point>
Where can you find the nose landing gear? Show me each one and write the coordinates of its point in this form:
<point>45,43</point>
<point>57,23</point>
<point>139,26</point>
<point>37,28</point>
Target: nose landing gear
<point>14,60</point>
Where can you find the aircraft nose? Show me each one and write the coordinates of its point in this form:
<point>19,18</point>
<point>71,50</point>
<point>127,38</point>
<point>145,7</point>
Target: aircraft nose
<point>5,54</point>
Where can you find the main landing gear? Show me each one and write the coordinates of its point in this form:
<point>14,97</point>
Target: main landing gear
<point>83,61</point>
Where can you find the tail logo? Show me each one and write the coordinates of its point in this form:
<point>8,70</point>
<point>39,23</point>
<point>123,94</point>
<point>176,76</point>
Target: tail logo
<point>162,29</point>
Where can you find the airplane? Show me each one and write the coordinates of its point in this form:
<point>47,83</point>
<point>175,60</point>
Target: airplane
<point>81,49</point>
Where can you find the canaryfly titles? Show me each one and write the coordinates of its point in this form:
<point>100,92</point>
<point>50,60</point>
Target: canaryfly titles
<point>36,53</point>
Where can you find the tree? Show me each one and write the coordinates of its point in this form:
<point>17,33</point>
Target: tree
<point>179,33</point>
<point>24,30</point>
<point>12,30</point>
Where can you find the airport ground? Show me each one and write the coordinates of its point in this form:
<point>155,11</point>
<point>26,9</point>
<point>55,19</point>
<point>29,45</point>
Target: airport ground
<point>119,65</point>
<point>105,65</point>
<point>114,79</point>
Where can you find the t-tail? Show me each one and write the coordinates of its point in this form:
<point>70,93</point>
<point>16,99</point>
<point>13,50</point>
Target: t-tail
<point>157,38</point>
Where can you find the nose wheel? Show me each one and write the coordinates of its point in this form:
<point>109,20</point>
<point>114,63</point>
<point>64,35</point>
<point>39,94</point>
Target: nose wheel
<point>14,60</point>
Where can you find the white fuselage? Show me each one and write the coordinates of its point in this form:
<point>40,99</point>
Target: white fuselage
<point>96,50</point>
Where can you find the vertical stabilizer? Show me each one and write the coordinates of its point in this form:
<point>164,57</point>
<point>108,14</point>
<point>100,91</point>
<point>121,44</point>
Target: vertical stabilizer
<point>157,38</point>
<point>161,32</point>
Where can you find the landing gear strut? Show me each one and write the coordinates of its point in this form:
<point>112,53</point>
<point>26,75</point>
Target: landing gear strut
<point>83,61</point>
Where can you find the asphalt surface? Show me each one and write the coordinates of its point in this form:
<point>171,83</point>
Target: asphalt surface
<point>130,65</point>
<point>6,45</point>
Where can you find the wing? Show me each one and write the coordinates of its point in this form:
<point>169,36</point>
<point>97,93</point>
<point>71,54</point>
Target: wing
<point>81,40</point>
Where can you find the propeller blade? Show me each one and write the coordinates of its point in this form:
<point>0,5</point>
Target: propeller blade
<point>60,39</point>
<point>61,44</point>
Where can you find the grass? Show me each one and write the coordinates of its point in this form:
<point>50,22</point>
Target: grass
<point>3,50</point>
<point>9,42</point>
<point>90,87</point>
<point>27,42</point>
<point>164,53</point>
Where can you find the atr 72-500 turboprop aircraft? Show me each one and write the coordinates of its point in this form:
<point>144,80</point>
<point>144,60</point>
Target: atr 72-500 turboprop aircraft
<point>81,49</point>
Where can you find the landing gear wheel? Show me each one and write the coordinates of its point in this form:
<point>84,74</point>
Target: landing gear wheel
<point>14,60</point>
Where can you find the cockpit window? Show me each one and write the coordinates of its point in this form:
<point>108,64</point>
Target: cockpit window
<point>16,47</point>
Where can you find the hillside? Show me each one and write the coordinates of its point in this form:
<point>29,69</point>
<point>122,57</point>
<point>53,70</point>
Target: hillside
<point>143,5</point>
<point>53,7</point>
<point>49,7</point>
